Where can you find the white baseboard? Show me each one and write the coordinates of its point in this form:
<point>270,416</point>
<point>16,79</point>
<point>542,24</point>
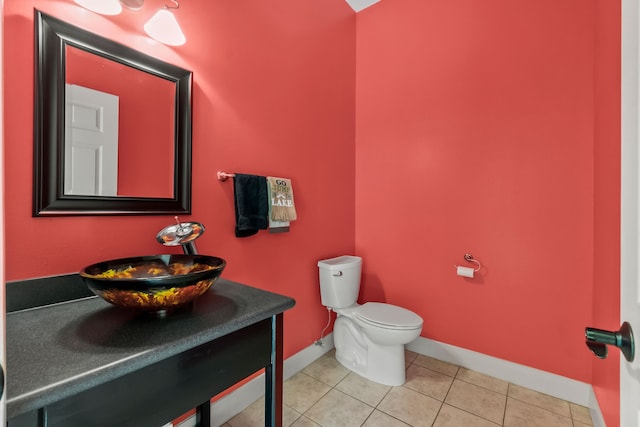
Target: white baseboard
<point>535,379</point>
<point>558,386</point>
<point>594,409</point>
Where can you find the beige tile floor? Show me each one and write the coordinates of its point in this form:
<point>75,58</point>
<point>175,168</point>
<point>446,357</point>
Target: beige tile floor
<point>435,394</point>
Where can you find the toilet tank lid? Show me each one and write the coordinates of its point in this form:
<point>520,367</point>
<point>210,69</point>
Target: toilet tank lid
<point>344,261</point>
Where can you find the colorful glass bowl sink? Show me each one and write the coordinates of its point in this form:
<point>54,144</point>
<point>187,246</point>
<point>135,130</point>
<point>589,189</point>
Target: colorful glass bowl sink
<point>155,283</point>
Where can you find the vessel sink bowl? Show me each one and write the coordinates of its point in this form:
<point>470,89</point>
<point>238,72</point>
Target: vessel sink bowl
<point>156,283</point>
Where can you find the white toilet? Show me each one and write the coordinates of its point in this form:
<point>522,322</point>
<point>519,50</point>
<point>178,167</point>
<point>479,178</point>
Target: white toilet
<point>369,338</point>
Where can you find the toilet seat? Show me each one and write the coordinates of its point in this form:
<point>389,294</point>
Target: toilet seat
<point>387,316</point>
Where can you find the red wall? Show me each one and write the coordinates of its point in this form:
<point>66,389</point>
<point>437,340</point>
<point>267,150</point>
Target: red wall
<point>487,128</point>
<point>273,94</point>
<point>475,133</point>
<point>606,260</point>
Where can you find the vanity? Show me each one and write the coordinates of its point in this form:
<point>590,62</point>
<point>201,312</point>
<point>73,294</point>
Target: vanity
<point>72,359</point>
<point>83,362</point>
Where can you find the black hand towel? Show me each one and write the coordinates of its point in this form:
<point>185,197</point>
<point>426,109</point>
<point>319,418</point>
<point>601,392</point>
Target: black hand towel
<point>251,202</point>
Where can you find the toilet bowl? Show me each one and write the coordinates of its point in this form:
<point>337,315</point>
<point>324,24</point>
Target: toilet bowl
<point>369,338</point>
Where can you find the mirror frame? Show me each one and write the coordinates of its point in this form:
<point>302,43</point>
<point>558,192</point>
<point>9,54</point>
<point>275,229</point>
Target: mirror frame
<point>51,38</point>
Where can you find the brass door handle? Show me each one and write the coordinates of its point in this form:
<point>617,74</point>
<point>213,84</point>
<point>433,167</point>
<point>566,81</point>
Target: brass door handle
<point>598,339</point>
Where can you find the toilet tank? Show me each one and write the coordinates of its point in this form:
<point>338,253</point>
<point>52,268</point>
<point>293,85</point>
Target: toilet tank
<point>340,280</point>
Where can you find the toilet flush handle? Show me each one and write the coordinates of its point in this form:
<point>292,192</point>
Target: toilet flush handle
<point>338,273</point>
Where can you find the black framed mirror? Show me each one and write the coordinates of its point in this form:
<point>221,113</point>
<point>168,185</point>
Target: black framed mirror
<point>57,42</point>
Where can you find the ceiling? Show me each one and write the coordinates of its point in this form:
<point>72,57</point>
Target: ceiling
<point>358,5</point>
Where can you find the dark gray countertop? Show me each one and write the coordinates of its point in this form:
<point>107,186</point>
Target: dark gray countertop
<point>59,350</point>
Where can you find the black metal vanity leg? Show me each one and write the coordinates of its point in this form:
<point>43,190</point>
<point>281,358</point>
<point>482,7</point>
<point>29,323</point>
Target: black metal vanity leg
<point>203,414</point>
<point>42,417</point>
<point>273,376</point>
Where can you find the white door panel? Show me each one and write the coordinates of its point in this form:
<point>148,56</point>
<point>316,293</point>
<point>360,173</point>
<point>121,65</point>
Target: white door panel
<point>91,142</point>
<point>630,213</point>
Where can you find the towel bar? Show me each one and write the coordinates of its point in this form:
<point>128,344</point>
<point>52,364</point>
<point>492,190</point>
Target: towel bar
<point>223,176</point>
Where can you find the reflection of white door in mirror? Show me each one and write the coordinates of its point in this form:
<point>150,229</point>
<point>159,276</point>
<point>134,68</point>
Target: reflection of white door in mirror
<point>91,142</point>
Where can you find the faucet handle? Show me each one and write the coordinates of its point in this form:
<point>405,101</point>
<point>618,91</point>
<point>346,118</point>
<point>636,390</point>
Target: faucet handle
<point>181,233</point>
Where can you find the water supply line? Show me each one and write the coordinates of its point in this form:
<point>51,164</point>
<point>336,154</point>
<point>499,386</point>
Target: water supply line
<point>320,342</point>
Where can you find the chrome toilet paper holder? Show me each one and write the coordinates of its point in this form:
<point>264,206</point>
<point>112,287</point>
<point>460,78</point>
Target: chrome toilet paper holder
<point>469,258</point>
<point>468,271</point>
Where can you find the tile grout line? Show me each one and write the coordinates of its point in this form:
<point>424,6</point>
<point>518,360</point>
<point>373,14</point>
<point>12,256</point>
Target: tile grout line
<point>506,402</point>
<point>441,403</point>
<point>541,407</point>
<point>454,378</point>
<point>444,399</point>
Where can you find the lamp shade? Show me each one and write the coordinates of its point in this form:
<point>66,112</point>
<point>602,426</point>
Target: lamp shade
<point>164,28</point>
<point>103,7</point>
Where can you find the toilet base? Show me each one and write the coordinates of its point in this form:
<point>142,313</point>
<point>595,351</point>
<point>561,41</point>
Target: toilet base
<point>383,364</point>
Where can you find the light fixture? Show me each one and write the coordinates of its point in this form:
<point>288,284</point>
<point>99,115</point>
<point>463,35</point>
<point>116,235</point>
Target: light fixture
<point>164,27</point>
<point>132,4</point>
<point>103,7</point>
